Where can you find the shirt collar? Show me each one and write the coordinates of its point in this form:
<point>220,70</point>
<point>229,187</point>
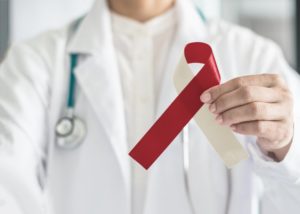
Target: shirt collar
<point>94,33</point>
<point>152,27</point>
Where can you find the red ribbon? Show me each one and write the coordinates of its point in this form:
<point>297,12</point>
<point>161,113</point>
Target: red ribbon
<point>182,109</point>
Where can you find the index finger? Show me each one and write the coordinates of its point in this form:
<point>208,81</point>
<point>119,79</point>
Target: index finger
<point>213,93</point>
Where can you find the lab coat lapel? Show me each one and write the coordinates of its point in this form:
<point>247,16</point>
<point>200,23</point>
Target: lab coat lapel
<point>98,78</point>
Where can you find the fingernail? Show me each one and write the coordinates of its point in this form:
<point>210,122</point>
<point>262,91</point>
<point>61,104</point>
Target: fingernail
<point>219,119</point>
<point>205,97</point>
<point>212,108</point>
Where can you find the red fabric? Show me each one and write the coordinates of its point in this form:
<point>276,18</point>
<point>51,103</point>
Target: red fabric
<point>182,109</point>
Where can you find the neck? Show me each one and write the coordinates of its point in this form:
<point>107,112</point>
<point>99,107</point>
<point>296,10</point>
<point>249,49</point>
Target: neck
<point>140,10</point>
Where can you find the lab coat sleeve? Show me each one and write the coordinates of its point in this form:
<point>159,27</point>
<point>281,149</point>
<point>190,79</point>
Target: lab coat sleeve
<point>281,179</point>
<point>23,121</point>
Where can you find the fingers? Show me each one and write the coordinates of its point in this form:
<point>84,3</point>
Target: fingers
<point>252,112</point>
<point>258,105</point>
<point>264,80</point>
<point>244,95</point>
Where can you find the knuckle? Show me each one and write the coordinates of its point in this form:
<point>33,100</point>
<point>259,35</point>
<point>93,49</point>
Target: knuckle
<point>288,103</point>
<point>214,92</point>
<point>240,82</point>
<point>220,104</point>
<point>258,110</point>
<point>254,109</point>
<point>260,128</point>
<point>289,97</point>
<point>247,93</point>
<point>277,79</point>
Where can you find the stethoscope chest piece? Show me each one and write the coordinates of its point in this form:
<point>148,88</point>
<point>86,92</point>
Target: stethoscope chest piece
<point>70,132</point>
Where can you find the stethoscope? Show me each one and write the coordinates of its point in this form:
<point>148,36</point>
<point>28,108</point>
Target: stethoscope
<point>71,130</point>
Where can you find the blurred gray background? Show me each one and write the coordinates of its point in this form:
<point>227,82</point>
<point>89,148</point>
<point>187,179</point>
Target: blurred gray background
<point>275,19</point>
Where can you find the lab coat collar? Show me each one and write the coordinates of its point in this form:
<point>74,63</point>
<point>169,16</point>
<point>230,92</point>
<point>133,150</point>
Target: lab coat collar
<point>93,33</point>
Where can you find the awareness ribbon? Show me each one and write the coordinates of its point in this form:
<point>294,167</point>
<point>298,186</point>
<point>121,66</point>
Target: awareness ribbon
<point>186,106</point>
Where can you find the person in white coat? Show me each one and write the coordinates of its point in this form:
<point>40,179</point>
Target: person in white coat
<point>128,51</point>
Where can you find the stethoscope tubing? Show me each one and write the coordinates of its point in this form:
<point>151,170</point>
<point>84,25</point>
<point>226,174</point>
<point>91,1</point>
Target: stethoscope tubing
<point>70,130</point>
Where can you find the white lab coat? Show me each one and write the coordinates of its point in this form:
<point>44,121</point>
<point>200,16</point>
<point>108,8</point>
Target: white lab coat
<point>37,177</point>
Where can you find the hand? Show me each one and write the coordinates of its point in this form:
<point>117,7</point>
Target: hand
<point>258,105</point>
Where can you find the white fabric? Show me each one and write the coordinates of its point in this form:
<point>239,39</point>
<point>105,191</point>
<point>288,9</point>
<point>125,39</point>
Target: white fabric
<point>95,178</point>
<point>141,50</point>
